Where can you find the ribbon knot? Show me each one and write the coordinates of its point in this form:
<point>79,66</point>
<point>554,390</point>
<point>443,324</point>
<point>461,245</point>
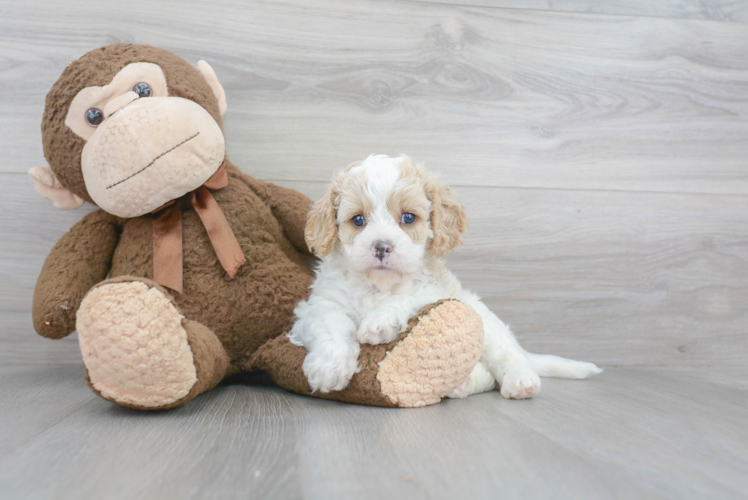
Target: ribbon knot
<point>167,233</point>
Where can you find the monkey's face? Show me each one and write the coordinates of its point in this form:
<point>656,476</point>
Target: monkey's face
<point>143,148</point>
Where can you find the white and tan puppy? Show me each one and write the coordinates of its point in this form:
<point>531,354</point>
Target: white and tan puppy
<point>382,231</point>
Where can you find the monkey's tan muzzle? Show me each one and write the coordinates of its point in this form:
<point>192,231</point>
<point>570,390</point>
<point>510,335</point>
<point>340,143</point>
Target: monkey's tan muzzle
<point>150,151</point>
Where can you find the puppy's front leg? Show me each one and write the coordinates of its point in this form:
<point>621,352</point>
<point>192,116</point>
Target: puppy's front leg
<point>384,324</point>
<point>330,340</point>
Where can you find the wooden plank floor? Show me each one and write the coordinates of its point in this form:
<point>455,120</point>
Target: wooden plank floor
<point>629,433</point>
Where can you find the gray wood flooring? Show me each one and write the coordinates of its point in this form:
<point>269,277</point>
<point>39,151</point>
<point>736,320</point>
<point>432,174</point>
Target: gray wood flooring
<point>629,433</point>
<point>601,150</point>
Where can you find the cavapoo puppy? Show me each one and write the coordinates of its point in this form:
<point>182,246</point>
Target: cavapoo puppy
<point>382,232</point>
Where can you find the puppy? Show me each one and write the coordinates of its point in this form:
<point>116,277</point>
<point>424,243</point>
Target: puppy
<point>382,231</point>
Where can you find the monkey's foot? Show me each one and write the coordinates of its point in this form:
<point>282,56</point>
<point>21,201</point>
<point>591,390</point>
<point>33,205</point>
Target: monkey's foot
<point>440,350</point>
<point>138,348</point>
<point>436,352</point>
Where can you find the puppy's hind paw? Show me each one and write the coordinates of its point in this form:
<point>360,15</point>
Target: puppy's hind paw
<point>520,385</point>
<point>461,391</point>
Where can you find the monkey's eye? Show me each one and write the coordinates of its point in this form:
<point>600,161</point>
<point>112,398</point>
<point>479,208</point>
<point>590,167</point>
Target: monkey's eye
<point>94,117</point>
<point>358,221</point>
<point>142,89</point>
<point>408,218</point>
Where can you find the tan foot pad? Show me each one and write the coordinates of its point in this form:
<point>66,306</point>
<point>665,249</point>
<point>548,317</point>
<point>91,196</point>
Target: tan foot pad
<point>438,354</point>
<point>134,346</point>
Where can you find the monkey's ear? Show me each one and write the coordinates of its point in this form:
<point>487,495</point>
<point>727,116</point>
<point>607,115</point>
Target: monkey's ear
<point>47,184</point>
<point>210,76</point>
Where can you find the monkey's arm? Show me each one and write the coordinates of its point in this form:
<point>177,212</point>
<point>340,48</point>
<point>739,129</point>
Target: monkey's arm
<point>78,261</point>
<point>288,206</point>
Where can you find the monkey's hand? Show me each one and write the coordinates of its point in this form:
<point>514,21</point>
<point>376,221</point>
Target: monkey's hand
<point>78,261</point>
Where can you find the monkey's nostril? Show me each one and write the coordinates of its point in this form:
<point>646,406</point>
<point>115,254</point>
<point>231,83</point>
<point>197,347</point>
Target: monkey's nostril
<point>381,249</point>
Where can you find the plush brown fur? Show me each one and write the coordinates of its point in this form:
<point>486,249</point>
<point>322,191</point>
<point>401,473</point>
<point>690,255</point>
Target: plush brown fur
<point>78,261</point>
<point>226,320</point>
<point>268,221</point>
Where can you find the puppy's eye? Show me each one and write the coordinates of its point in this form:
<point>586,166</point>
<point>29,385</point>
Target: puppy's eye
<point>94,117</point>
<point>142,89</point>
<point>358,221</point>
<point>408,218</point>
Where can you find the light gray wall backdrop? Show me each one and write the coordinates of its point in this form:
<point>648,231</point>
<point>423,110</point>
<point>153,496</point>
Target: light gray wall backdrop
<point>601,148</point>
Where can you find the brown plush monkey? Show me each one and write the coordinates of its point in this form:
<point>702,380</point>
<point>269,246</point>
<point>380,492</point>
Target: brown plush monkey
<point>190,270</point>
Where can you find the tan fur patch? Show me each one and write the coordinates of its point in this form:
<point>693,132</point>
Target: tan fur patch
<point>448,217</point>
<point>409,196</point>
<point>352,200</point>
<point>348,232</point>
<point>321,227</point>
<point>330,218</point>
<point>321,230</point>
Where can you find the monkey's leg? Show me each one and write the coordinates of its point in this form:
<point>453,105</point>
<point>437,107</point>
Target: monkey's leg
<point>435,354</point>
<point>140,351</point>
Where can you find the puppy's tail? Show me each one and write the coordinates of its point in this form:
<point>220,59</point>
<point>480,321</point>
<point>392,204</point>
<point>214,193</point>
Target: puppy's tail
<point>548,365</point>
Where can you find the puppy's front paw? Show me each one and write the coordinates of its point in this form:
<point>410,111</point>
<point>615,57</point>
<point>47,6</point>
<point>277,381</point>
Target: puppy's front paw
<point>379,328</point>
<point>520,384</point>
<point>331,370</point>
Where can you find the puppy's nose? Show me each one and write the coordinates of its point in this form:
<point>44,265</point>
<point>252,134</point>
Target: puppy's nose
<point>381,249</point>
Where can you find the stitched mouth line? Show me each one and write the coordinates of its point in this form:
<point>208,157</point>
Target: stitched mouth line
<point>154,161</point>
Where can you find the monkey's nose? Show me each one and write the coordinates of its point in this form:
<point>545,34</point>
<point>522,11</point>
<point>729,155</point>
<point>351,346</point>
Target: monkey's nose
<point>381,249</point>
<point>119,102</point>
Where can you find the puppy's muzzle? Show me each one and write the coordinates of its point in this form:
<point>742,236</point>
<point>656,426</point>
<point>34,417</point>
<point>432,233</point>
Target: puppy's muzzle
<point>382,249</point>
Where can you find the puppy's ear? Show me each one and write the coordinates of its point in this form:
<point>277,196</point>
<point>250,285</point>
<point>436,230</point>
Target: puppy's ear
<point>321,230</point>
<point>448,217</point>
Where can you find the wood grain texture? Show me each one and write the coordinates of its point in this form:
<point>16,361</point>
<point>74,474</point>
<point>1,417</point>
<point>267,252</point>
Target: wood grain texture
<point>488,96</point>
<point>628,433</point>
<point>602,158</point>
<point>714,10</point>
<point>618,278</point>
<point>660,278</point>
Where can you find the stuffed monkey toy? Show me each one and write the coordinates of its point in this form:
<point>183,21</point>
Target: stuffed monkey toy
<point>189,271</point>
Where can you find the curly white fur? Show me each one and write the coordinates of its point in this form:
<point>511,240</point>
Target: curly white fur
<point>365,294</point>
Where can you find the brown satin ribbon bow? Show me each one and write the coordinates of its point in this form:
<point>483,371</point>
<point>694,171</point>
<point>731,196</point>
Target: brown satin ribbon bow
<point>167,233</point>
